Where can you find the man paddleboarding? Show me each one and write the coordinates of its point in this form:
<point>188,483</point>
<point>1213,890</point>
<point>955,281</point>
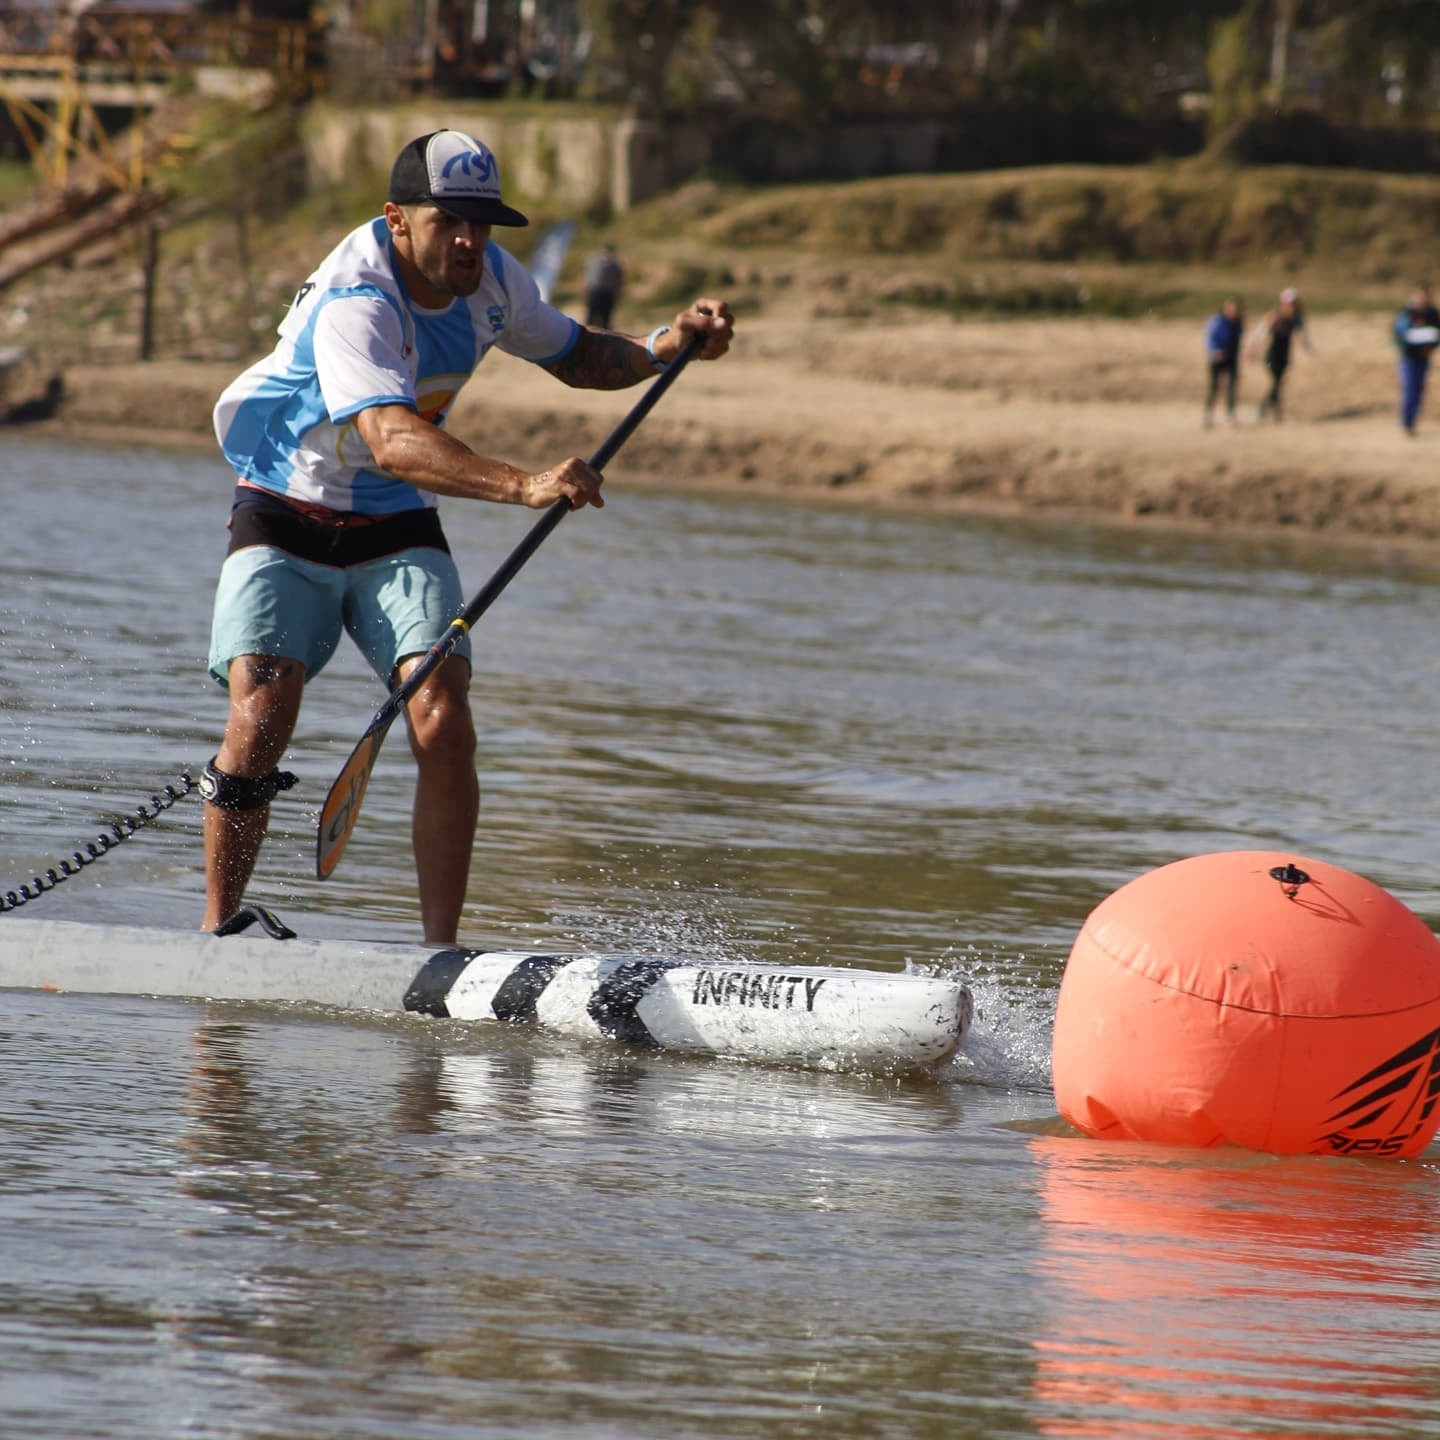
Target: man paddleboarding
<point>338,443</point>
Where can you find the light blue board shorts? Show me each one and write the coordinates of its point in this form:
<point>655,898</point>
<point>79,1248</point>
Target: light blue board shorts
<point>269,602</point>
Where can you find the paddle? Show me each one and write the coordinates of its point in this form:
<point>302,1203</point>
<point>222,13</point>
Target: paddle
<point>342,805</point>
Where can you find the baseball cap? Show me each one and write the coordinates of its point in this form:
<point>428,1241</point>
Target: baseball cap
<point>456,172</point>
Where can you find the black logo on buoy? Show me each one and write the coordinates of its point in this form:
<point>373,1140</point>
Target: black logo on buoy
<point>1396,1098</point>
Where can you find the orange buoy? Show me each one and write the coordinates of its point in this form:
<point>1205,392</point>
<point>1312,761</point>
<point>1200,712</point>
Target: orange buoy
<point>1251,998</point>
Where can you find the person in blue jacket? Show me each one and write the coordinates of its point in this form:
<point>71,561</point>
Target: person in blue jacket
<point>1222,353</point>
<point>1416,332</point>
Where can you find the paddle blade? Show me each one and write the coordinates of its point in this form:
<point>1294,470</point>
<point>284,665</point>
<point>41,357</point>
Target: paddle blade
<point>342,805</point>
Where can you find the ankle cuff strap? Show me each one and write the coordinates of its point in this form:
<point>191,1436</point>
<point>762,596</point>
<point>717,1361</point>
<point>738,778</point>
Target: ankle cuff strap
<point>240,792</point>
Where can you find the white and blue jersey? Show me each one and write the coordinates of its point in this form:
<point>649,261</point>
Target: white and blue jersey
<point>353,339</point>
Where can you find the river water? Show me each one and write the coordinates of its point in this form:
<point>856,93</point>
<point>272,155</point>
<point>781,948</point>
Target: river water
<point>741,730</point>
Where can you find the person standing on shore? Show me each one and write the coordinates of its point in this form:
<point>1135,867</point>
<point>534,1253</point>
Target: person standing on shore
<point>337,439</point>
<point>1278,331</point>
<point>1416,333</point>
<point>604,280</point>
<point>1222,351</point>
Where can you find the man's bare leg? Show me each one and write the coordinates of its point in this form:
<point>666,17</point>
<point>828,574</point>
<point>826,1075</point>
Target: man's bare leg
<point>447,794</point>
<point>265,694</point>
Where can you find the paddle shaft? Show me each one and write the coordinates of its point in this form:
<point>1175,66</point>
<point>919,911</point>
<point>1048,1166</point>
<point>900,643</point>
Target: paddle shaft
<point>515,561</point>
<point>342,805</point>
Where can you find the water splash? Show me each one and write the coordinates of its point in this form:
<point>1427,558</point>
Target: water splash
<point>673,919</point>
<point>1008,1046</point>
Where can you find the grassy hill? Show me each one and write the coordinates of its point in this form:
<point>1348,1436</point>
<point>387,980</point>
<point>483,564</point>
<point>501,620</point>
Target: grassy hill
<point>1166,240</point>
<point>1072,240</point>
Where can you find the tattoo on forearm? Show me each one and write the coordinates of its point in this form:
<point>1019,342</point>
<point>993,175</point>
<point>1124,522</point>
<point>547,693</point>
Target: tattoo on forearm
<point>600,361</point>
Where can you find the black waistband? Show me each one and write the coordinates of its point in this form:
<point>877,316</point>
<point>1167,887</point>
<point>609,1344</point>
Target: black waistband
<point>258,518</point>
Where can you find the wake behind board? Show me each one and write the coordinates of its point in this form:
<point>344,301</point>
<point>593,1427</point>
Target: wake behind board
<point>830,1018</point>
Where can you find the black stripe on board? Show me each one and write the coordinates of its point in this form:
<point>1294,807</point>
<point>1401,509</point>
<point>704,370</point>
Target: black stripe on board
<point>429,989</point>
<point>613,1005</point>
<point>521,989</point>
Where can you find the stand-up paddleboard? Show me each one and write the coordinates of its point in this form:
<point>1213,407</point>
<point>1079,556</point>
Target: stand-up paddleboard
<point>831,1018</point>
<point>799,1014</point>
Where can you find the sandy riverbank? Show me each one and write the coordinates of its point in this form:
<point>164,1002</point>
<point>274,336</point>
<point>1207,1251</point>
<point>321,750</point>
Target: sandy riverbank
<point>1097,419</point>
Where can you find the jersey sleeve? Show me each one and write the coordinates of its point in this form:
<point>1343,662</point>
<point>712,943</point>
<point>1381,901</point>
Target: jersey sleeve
<point>360,355</point>
<point>535,330</point>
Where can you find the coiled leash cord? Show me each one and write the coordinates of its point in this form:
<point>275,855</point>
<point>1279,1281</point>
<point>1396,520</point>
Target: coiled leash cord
<point>103,844</point>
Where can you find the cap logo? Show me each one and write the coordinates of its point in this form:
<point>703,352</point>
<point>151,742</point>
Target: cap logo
<point>476,165</point>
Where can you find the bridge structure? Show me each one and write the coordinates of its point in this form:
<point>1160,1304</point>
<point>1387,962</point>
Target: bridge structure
<point>104,98</point>
<point>59,68</point>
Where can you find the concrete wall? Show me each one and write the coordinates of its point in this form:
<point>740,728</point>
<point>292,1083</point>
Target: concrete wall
<point>585,162</point>
<point>589,165</point>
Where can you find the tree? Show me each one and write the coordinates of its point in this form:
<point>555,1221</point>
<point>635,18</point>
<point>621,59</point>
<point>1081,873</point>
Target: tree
<point>807,59</point>
<point>633,47</point>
